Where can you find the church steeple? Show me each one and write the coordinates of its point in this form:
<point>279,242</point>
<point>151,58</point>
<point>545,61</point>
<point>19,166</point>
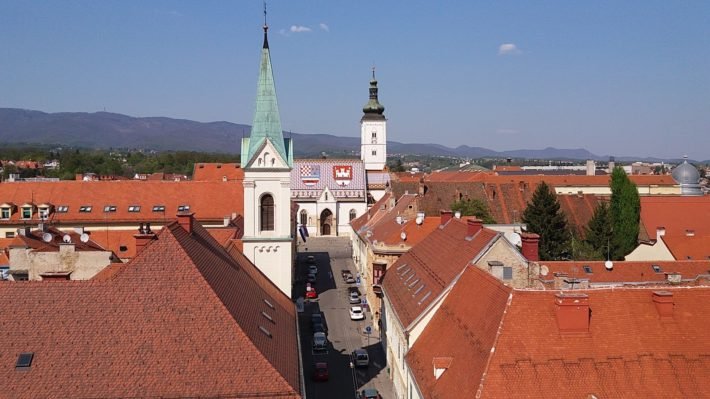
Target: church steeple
<point>373,109</point>
<point>267,121</point>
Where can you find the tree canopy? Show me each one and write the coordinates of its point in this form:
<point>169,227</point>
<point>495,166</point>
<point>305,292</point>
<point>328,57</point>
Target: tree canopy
<point>544,217</point>
<point>625,213</point>
<point>473,207</point>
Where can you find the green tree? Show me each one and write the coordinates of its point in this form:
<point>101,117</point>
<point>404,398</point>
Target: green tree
<point>598,233</point>
<point>543,216</point>
<point>473,207</point>
<point>625,212</point>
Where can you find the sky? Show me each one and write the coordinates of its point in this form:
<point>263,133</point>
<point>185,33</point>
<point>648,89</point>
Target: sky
<point>613,77</point>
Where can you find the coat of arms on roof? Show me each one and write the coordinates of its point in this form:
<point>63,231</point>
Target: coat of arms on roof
<point>343,174</point>
<point>310,174</point>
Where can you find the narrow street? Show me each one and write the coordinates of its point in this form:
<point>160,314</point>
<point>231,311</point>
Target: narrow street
<point>332,255</point>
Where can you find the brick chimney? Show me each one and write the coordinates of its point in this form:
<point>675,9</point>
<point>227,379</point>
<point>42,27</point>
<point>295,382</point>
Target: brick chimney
<point>573,313</point>
<point>529,247</point>
<point>445,216</point>
<point>144,236</point>
<point>664,304</point>
<point>186,220</point>
<point>473,226</point>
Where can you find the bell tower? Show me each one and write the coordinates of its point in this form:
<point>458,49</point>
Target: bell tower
<point>373,131</point>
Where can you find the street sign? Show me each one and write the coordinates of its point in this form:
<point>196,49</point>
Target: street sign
<point>368,330</point>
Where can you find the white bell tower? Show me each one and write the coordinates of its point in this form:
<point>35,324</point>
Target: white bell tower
<point>373,131</point>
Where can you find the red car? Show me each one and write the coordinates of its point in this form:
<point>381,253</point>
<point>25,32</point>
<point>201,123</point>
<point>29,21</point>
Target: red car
<point>320,372</point>
<point>311,294</point>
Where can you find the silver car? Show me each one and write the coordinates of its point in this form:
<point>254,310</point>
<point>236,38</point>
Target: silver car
<point>353,297</point>
<point>320,342</point>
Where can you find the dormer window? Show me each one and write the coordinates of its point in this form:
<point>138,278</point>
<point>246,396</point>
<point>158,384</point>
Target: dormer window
<point>62,209</point>
<point>183,208</point>
<point>158,208</point>
<point>134,208</point>
<point>85,208</point>
<point>44,211</point>
<point>5,213</point>
<point>107,208</point>
<point>26,212</point>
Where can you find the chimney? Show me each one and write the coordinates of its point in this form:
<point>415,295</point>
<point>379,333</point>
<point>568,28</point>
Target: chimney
<point>143,237</point>
<point>473,226</point>
<point>226,221</point>
<point>573,313</point>
<point>25,231</point>
<point>186,220</point>
<point>445,217</point>
<point>660,232</point>
<point>529,249</point>
<point>664,304</point>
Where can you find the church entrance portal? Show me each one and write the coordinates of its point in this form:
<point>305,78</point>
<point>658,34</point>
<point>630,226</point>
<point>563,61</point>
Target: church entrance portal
<point>326,222</point>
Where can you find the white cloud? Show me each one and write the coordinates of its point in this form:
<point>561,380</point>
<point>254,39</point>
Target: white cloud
<point>299,28</point>
<point>508,49</point>
<point>324,27</point>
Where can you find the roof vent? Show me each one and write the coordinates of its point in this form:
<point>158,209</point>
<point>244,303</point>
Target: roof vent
<point>441,364</point>
<point>24,361</point>
<point>664,304</point>
<point>690,233</point>
<point>573,313</point>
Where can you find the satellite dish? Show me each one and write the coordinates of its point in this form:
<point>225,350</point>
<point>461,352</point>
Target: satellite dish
<point>84,237</point>
<point>609,265</point>
<point>419,220</point>
<point>457,214</point>
<point>515,239</point>
<point>46,237</point>
<point>403,236</point>
<point>66,238</point>
<point>544,270</point>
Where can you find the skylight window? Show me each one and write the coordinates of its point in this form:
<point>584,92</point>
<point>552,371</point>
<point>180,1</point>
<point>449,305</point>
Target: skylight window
<point>108,208</point>
<point>183,208</point>
<point>269,304</point>
<point>134,208</point>
<point>85,208</point>
<point>587,269</point>
<point>24,361</point>
<point>159,208</point>
<point>267,316</point>
<point>265,331</point>
<point>656,268</point>
<point>63,209</point>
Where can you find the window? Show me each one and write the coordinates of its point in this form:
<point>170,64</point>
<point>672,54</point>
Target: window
<point>374,135</point>
<point>123,248</point>
<point>85,208</point>
<point>24,361</point>
<point>5,213</point>
<point>267,213</point>
<point>587,269</point>
<point>183,208</point>
<point>374,152</point>
<point>20,276</point>
<point>108,208</point>
<point>507,272</point>
<point>304,217</point>
<point>353,214</point>
<point>656,268</point>
<point>159,208</point>
<point>134,208</point>
<point>63,209</point>
<point>9,234</point>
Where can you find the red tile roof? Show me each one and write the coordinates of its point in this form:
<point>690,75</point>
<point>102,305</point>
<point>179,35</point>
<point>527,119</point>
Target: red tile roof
<point>688,247</point>
<point>421,275</point>
<point>627,271</point>
<point>677,214</point>
<point>377,210</point>
<point>210,201</point>
<point>512,348</point>
<point>183,319</point>
<point>217,172</point>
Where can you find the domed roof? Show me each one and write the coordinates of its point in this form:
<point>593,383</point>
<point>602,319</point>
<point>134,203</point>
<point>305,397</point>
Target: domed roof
<point>686,173</point>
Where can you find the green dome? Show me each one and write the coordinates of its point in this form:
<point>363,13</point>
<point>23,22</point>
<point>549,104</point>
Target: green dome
<point>373,106</point>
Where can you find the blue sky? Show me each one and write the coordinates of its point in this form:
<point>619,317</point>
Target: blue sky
<point>614,77</point>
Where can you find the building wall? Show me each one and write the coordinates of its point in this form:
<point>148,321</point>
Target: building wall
<point>341,215</point>
<point>379,160</point>
<point>83,265</point>
<point>644,252</point>
<point>504,252</point>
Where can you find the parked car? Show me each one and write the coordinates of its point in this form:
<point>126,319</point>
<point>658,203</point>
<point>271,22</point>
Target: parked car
<point>311,278</point>
<point>360,358</point>
<point>369,393</point>
<point>356,313</point>
<point>350,279</point>
<point>316,318</point>
<point>320,371</point>
<point>311,259</point>
<point>313,269</point>
<point>311,293</point>
<point>345,273</point>
<point>353,297</point>
<point>318,327</point>
<point>320,342</point>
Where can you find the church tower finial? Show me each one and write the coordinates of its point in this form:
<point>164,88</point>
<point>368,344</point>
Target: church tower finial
<point>266,28</point>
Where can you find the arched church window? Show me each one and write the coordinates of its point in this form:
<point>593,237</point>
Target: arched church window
<point>304,217</point>
<point>267,213</point>
<point>353,214</point>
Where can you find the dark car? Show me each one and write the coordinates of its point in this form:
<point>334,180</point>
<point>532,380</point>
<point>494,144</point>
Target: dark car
<point>369,393</point>
<point>320,372</point>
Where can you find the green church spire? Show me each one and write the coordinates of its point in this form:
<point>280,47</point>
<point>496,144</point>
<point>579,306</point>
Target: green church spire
<point>267,122</point>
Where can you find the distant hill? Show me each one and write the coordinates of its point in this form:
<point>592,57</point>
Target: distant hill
<point>110,130</point>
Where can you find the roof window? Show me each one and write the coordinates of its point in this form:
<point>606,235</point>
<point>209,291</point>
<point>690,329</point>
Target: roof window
<point>158,208</point>
<point>63,209</point>
<point>656,268</point>
<point>85,208</point>
<point>269,304</point>
<point>267,316</point>
<point>108,208</point>
<point>587,269</point>
<point>183,208</point>
<point>265,331</point>
<point>134,208</point>
<point>123,248</point>
<point>24,361</point>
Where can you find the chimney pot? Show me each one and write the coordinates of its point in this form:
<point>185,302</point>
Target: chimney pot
<point>572,312</point>
<point>530,246</point>
<point>445,216</point>
<point>473,226</point>
<point>142,239</point>
<point>664,304</point>
<point>186,220</point>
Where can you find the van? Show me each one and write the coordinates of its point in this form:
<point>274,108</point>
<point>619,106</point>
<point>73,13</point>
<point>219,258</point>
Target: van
<point>361,358</point>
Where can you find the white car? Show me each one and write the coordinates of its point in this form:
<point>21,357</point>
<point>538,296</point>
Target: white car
<point>356,313</point>
<point>354,297</point>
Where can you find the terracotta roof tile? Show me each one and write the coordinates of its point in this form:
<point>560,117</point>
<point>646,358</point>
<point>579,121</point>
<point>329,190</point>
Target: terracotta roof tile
<point>217,172</point>
<point>180,320</point>
<point>677,214</point>
<point>688,247</point>
<point>627,271</point>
